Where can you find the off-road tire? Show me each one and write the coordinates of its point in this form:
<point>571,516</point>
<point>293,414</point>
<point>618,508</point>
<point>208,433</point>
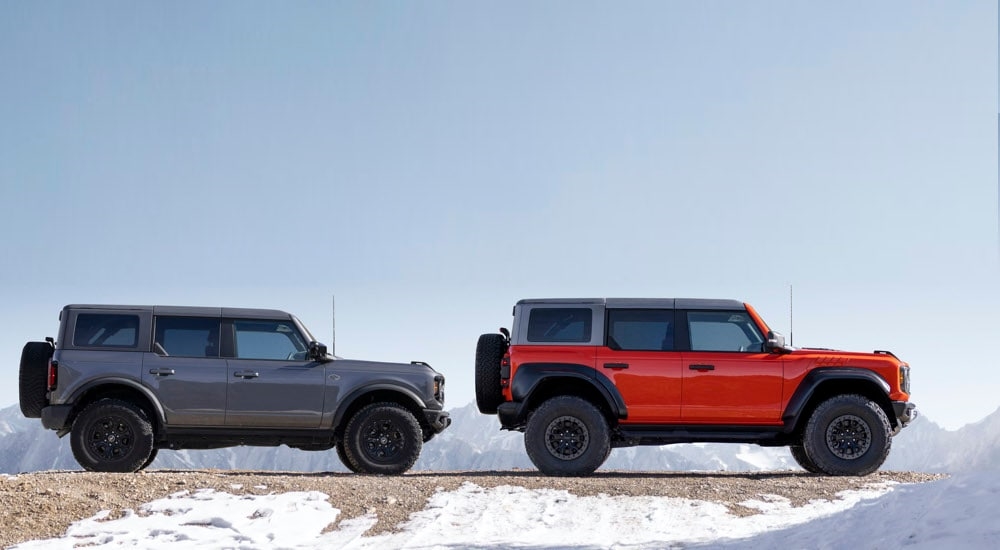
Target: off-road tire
<point>567,436</point>
<point>342,455</point>
<point>33,378</point>
<point>112,435</point>
<point>848,435</point>
<point>382,438</point>
<point>152,457</point>
<point>800,456</point>
<point>489,352</point>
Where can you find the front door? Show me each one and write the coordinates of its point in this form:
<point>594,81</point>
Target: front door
<point>728,378</point>
<point>272,382</point>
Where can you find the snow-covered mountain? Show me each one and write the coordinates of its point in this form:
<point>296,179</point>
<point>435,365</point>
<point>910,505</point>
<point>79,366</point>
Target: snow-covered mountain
<point>475,442</point>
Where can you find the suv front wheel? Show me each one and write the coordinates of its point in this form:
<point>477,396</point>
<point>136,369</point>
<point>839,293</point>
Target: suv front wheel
<point>381,438</point>
<point>847,435</point>
<point>567,436</point>
<point>112,435</point>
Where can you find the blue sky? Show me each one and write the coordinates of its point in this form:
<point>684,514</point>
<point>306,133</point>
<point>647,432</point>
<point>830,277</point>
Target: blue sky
<point>432,163</point>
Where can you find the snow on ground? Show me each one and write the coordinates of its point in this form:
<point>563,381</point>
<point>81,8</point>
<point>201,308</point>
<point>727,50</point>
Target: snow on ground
<point>958,512</point>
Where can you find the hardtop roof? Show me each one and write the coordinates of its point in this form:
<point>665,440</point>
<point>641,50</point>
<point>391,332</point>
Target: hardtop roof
<point>642,303</point>
<point>192,311</point>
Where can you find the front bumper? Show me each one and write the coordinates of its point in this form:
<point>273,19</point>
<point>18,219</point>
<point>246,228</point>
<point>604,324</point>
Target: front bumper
<point>905,411</point>
<point>438,420</point>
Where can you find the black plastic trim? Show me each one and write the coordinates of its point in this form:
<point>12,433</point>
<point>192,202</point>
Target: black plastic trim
<point>631,435</point>
<point>56,417</point>
<point>529,375</point>
<point>817,377</point>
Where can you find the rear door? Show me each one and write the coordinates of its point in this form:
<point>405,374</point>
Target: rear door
<point>185,371</point>
<point>728,378</point>
<point>272,383</point>
<point>639,355</point>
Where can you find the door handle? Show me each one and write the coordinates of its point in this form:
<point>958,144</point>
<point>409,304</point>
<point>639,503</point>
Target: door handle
<point>702,367</point>
<point>161,372</point>
<point>246,374</point>
<point>616,365</point>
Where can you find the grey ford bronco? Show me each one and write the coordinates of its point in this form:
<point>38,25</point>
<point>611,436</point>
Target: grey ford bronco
<point>125,381</point>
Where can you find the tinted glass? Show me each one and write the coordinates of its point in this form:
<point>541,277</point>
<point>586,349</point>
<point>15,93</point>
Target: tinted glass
<point>106,330</point>
<point>559,325</point>
<point>724,331</point>
<point>641,329</point>
<point>187,336</point>
<point>269,340</point>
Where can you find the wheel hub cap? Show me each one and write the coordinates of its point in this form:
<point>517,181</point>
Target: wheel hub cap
<point>567,438</point>
<point>110,438</point>
<point>382,440</point>
<point>848,437</point>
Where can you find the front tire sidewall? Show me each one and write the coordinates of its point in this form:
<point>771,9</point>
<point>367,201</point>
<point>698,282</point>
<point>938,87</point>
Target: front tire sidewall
<point>574,413</point>
<point>382,438</point>
<point>837,410</point>
<point>112,424</point>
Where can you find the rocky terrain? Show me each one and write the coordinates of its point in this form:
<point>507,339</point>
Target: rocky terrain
<point>43,504</point>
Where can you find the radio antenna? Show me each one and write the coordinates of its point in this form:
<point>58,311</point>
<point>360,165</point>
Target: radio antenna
<point>333,317</point>
<point>791,317</point>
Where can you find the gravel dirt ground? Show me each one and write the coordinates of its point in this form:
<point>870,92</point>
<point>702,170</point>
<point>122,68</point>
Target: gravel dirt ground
<point>43,504</point>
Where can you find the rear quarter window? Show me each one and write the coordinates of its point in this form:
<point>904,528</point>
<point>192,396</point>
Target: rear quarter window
<point>106,330</point>
<point>560,325</point>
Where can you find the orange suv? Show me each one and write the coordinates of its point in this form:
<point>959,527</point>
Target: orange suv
<point>582,376</point>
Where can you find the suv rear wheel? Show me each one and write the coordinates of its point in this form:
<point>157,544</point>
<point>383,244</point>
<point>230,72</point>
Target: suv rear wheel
<point>382,438</point>
<point>847,435</point>
<point>112,435</point>
<point>489,353</point>
<point>567,436</point>
<point>33,378</point>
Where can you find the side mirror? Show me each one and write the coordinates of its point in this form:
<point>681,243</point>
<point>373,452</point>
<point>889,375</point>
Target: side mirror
<point>317,351</point>
<point>775,341</point>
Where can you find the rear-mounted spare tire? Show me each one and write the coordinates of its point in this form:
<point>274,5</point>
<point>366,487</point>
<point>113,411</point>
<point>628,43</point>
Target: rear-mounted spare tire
<point>33,378</point>
<point>489,353</point>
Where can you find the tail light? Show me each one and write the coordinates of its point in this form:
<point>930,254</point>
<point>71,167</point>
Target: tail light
<point>505,369</point>
<point>53,374</point>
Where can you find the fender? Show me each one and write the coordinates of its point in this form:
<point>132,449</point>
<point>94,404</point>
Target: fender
<point>360,392</point>
<point>127,382</point>
<point>530,375</point>
<point>817,377</point>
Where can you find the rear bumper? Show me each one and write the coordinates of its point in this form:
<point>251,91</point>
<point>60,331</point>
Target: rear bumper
<point>905,411</point>
<point>438,420</point>
<point>56,417</point>
<point>511,415</point>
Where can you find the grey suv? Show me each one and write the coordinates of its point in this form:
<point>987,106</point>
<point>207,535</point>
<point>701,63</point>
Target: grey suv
<point>125,381</point>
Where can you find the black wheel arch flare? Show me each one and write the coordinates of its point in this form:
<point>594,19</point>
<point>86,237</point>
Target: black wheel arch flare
<point>819,380</point>
<point>530,376</point>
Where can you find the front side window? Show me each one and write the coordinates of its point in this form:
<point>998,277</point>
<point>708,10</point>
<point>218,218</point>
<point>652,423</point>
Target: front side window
<point>187,336</point>
<point>641,329</point>
<point>100,330</point>
<point>278,340</point>
<point>724,331</point>
<point>558,325</point>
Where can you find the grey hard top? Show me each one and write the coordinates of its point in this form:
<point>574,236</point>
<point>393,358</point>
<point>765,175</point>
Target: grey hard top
<point>190,310</point>
<point>642,303</point>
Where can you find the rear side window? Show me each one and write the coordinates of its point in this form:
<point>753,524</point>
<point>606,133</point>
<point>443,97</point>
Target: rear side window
<point>559,325</point>
<point>187,336</point>
<point>106,330</point>
<point>641,329</point>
